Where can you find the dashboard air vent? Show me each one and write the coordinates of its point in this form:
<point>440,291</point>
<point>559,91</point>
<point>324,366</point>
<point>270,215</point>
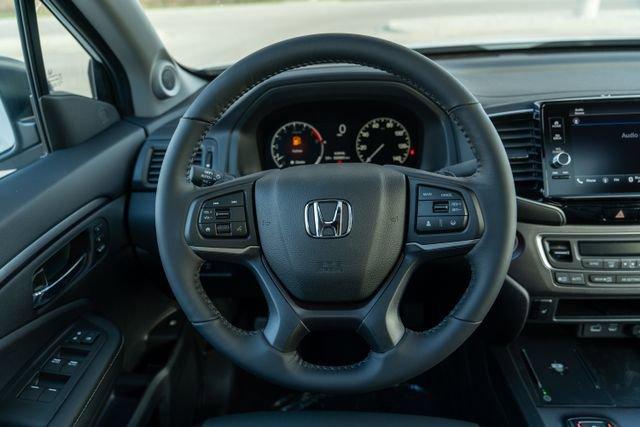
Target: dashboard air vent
<point>520,134</point>
<point>155,162</point>
<point>156,159</point>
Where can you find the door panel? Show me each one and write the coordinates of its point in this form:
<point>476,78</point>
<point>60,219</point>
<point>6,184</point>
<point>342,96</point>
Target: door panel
<point>41,195</point>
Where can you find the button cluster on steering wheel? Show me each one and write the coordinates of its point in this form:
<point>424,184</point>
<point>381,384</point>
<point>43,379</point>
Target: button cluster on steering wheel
<point>440,210</point>
<point>224,216</point>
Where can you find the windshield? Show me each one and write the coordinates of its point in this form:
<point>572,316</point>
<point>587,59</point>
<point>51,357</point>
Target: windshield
<point>214,33</point>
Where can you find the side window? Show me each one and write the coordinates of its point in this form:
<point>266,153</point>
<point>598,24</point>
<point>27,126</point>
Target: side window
<point>65,60</point>
<point>15,106</point>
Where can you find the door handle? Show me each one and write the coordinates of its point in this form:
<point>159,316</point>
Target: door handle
<point>39,296</point>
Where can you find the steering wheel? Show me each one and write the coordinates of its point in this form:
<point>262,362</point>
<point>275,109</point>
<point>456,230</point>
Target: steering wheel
<point>334,246</point>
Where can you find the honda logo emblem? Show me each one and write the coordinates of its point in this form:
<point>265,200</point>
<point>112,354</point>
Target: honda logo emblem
<point>328,219</point>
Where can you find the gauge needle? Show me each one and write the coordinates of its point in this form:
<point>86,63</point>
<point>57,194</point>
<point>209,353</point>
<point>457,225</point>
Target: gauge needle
<point>374,153</point>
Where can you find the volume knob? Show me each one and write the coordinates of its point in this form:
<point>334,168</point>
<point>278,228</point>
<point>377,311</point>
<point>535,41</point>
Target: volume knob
<point>561,159</point>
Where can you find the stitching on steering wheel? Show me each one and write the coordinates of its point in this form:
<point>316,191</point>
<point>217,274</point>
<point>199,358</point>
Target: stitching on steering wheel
<point>330,368</point>
<point>216,313</point>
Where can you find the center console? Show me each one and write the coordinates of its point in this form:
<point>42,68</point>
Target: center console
<point>579,346</point>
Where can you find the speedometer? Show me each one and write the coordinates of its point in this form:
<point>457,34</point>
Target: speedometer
<point>383,140</point>
<point>296,143</point>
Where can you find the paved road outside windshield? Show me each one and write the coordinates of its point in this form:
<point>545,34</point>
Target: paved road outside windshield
<point>212,36</point>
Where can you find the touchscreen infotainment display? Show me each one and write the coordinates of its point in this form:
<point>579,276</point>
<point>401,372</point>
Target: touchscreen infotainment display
<point>591,148</point>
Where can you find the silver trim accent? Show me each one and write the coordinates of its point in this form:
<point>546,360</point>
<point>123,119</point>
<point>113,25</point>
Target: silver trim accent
<point>431,247</point>
<point>569,235</point>
<point>596,319</point>
<point>37,296</point>
<point>79,216</point>
<point>510,113</point>
<point>224,251</point>
<point>588,98</point>
<point>335,223</point>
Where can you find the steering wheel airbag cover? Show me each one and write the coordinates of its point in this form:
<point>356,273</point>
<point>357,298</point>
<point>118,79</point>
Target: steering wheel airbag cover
<point>348,268</point>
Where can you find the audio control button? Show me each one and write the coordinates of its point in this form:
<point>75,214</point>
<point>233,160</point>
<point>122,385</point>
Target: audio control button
<point>561,159</point>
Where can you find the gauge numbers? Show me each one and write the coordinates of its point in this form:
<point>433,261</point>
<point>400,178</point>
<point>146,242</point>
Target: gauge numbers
<point>383,140</point>
<point>296,143</point>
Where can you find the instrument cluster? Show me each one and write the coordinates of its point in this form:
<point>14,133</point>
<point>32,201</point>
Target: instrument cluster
<point>340,132</point>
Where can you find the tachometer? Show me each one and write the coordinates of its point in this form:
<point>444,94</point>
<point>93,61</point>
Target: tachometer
<point>296,143</point>
<point>383,140</point>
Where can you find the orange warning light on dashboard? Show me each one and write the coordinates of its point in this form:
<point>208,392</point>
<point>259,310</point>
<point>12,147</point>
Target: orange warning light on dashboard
<point>296,140</point>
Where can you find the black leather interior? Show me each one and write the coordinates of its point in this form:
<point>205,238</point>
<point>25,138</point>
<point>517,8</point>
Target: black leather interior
<point>336,419</point>
<point>492,182</point>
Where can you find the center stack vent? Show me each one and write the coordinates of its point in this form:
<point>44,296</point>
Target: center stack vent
<point>520,135</point>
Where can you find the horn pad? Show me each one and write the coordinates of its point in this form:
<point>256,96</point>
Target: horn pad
<point>331,233</point>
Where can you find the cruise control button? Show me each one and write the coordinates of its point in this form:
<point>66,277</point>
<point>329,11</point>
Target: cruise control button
<point>601,278</point>
<point>456,207</point>
<point>235,199</point>
<point>592,263</point>
<point>434,193</point>
<point>441,208</point>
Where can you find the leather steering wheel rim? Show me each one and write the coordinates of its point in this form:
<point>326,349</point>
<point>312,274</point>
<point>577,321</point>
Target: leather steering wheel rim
<point>415,352</point>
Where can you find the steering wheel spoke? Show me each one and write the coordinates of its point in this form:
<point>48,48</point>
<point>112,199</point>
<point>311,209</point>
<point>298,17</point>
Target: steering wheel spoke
<point>444,216</point>
<point>220,223</point>
<point>285,328</point>
<point>381,326</point>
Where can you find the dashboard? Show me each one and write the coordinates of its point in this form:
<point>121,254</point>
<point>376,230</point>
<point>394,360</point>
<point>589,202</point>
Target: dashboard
<point>577,188</point>
<point>341,132</point>
<point>576,260</point>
